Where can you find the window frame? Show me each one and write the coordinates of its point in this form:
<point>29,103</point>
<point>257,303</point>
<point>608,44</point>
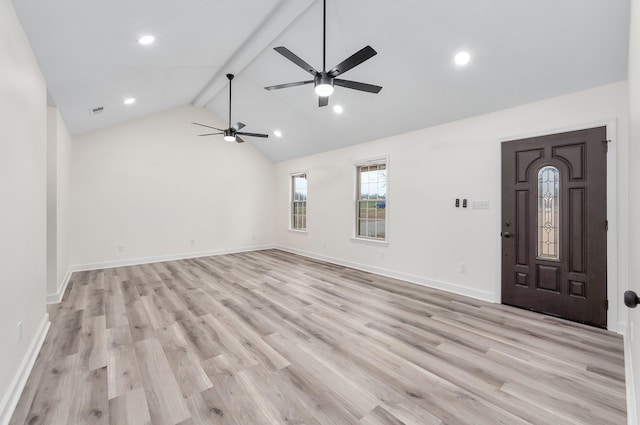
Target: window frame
<point>293,201</point>
<point>356,237</point>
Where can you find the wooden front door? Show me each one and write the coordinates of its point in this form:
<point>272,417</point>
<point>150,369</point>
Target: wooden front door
<point>554,257</point>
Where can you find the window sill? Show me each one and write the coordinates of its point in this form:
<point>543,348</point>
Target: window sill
<point>370,241</point>
<point>304,232</point>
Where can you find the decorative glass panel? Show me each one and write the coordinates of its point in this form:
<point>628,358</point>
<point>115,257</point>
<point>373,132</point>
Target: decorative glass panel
<point>549,213</point>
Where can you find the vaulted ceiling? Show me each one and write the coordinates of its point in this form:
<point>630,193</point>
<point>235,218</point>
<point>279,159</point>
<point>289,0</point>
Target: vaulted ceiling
<point>521,51</point>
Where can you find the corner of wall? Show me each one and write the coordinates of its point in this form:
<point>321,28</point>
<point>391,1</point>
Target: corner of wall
<point>56,297</point>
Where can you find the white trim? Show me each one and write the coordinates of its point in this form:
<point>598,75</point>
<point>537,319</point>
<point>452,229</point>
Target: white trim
<point>299,173</point>
<point>290,209</point>
<point>435,284</point>
<point>612,210</point>
<point>371,241</point>
<point>57,297</point>
<point>378,160</point>
<point>612,219</point>
<point>11,397</point>
<point>632,407</point>
<point>161,258</point>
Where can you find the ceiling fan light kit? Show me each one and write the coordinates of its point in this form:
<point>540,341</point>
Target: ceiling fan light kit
<point>324,90</point>
<point>325,81</point>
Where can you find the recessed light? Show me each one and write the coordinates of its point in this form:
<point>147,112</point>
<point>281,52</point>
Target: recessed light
<point>146,39</point>
<point>129,101</point>
<point>462,58</point>
<point>338,109</point>
<point>277,133</point>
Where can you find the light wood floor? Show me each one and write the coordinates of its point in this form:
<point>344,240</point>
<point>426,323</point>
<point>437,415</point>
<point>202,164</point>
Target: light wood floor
<point>272,338</point>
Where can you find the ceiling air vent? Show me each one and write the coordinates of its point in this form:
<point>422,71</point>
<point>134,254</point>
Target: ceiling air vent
<point>98,110</point>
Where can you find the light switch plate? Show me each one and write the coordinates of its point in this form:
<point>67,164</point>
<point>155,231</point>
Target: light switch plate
<point>480,205</point>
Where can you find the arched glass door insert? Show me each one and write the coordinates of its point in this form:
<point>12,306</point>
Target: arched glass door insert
<point>549,212</point>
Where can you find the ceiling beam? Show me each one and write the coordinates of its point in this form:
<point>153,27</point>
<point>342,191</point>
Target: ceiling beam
<point>276,22</point>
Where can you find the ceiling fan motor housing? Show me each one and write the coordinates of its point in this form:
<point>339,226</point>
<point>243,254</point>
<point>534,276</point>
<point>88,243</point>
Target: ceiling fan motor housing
<point>322,78</point>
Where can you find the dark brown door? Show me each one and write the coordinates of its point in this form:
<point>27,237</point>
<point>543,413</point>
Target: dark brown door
<point>554,225</point>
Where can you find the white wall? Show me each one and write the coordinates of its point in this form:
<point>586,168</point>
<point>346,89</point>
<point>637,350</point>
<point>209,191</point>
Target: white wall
<point>58,208</point>
<point>52,200</point>
<point>428,237</point>
<point>23,196</point>
<point>633,355</point>
<point>152,186</point>
<point>64,201</point>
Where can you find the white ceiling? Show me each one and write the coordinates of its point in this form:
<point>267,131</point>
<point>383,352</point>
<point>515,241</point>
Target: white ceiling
<point>522,51</point>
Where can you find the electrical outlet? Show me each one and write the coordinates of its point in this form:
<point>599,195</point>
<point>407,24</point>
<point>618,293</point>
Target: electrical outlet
<point>463,268</point>
<point>382,255</point>
<point>193,242</point>
<point>121,248</point>
<point>19,333</point>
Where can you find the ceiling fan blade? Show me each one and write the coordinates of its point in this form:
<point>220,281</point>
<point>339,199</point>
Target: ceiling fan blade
<point>284,86</point>
<point>237,126</point>
<point>296,59</point>
<point>208,126</point>
<point>209,134</point>
<point>252,134</point>
<point>239,139</point>
<point>352,61</point>
<point>323,101</point>
<point>357,86</point>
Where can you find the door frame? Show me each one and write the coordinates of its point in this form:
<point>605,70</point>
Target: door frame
<point>612,211</point>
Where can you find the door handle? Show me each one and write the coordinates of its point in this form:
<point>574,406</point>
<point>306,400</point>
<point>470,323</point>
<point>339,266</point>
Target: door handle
<point>631,299</point>
<point>506,234</point>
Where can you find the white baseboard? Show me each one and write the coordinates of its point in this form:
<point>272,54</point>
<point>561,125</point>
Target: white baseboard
<point>10,399</point>
<point>57,297</point>
<point>632,401</point>
<point>445,286</point>
<point>161,258</point>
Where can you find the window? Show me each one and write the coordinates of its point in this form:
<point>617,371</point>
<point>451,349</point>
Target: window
<point>549,213</point>
<point>371,203</point>
<point>299,202</point>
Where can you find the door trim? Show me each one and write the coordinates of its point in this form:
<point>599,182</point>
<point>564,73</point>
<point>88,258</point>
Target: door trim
<point>612,211</point>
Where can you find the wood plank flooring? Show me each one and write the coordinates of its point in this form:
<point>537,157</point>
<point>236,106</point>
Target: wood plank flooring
<point>268,337</point>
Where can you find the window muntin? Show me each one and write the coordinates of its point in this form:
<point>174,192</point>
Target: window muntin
<point>371,203</point>
<point>549,213</point>
<point>299,202</point>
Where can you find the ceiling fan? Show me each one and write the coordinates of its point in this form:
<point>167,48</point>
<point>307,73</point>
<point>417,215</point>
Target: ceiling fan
<point>231,134</point>
<point>325,81</point>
